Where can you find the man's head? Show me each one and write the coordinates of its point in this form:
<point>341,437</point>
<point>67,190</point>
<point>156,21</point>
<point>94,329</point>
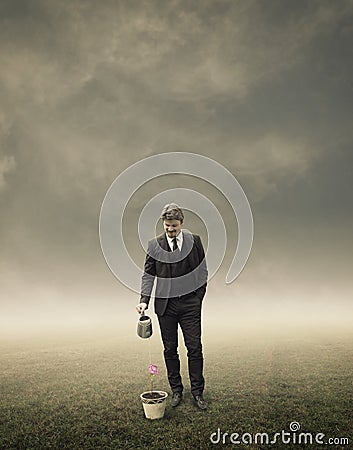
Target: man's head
<point>173,217</point>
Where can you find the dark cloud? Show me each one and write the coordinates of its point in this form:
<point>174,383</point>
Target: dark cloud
<point>89,88</point>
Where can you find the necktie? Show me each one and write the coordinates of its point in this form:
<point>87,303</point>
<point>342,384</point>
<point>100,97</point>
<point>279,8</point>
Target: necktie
<point>175,245</point>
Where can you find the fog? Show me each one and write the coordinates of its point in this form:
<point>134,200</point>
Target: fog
<point>90,88</point>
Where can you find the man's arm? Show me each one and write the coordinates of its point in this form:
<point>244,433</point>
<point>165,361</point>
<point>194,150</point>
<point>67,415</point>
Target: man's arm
<point>148,276</point>
<point>202,268</point>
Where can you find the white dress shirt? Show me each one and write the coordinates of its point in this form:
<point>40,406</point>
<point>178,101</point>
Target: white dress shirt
<point>179,239</point>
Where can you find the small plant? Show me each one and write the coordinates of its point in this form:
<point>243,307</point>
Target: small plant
<point>153,371</point>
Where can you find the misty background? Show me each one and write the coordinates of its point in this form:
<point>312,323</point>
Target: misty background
<point>89,88</point>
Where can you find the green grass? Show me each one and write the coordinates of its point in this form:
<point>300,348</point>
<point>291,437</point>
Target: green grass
<point>84,394</point>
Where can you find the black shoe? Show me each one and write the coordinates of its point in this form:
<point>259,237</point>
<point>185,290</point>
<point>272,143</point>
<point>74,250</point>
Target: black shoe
<point>200,402</point>
<point>176,398</point>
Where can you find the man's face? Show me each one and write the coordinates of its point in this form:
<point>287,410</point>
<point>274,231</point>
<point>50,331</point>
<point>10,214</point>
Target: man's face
<point>172,227</point>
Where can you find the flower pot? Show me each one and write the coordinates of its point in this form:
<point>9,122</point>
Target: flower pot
<point>154,404</point>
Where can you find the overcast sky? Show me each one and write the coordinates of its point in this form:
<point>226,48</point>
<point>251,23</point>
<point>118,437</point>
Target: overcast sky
<point>88,88</point>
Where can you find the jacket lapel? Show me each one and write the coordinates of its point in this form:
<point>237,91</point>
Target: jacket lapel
<point>162,241</point>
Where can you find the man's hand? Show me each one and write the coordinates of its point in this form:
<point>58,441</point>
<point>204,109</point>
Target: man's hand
<point>140,308</point>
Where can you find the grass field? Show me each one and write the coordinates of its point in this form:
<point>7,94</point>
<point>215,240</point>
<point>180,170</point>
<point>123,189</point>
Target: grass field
<point>82,392</point>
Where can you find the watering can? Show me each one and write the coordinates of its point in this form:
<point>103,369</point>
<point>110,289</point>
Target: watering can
<point>144,326</point>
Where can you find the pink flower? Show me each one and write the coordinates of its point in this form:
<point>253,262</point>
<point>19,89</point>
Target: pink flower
<point>153,370</point>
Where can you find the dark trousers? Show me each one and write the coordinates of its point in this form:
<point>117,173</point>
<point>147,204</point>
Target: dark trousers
<point>187,314</point>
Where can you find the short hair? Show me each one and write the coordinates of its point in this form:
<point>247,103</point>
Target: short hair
<point>172,211</point>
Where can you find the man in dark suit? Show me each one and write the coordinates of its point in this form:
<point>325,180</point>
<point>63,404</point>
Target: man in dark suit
<point>177,260</point>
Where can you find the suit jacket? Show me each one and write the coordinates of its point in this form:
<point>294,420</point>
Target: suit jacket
<point>158,264</point>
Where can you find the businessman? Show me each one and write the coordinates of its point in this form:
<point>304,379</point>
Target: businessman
<point>176,259</point>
